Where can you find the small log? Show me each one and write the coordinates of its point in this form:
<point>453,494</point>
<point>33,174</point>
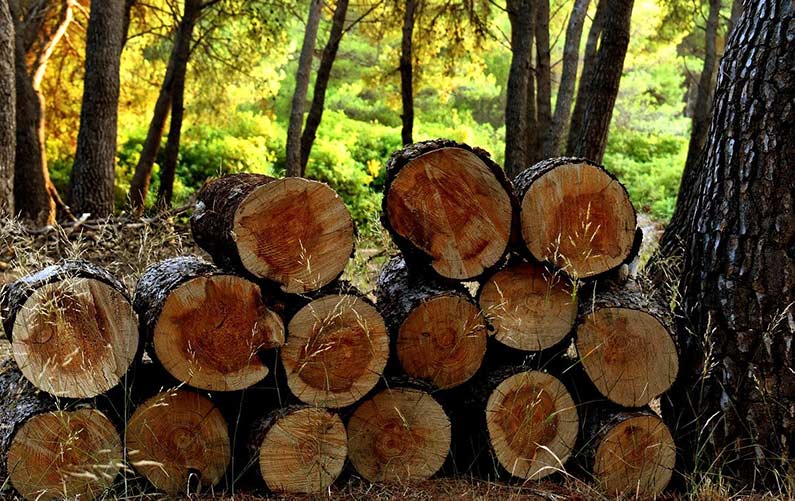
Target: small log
<point>337,347</point>
<point>50,452</point>
<point>300,450</point>
<point>448,204</point>
<point>206,327</point>
<point>178,439</point>
<point>72,329</point>
<point>399,435</point>
<point>625,345</point>
<point>530,308</point>
<point>294,232</point>
<point>576,215</point>
<point>438,332</point>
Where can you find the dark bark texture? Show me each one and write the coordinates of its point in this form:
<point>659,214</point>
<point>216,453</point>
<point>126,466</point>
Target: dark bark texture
<point>407,72</point>
<point>8,120</point>
<point>735,399</point>
<point>544,79</point>
<point>593,109</point>
<point>520,13</point>
<point>93,174</point>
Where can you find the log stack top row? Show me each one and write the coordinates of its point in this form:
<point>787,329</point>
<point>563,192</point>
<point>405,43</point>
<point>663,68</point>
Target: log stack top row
<point>423,363</point>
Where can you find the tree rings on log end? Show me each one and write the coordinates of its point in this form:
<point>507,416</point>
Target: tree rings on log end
<point>65,454</point>
<point>210,331</point>
<point>178,438</point>
<point>295,232</point>
<point>399,435</point>
<point>449,204</point>
<point>337,348</point>
<point>532,423</point>
<point>75,337</point>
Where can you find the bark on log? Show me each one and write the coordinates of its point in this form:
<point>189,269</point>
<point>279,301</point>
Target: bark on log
<point>207,327</point>
<point>294,232</point>
<point>448,204</point>
<point>72,329</point>
<point>179,441</point>
<point>576,215</point>
<point>624,340</point>
<point>438,332</point>
<point>399,435</point>
<point>299,449</point>
<point>51,452</point>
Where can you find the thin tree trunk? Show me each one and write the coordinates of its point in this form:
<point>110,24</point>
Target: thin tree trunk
<point>516,114</point>
<point>301,86</point>
<point>532,118</point>
<point>737,9</point>
<point>544,77</point>
<point>321,81</point>
<point>8,119</point>
<point>595,106</point>
<point>568,76</point>
<point>93,174</point>
<point>734,399</point>
<point>407,72</point>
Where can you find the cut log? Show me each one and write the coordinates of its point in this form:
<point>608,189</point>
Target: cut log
<point>337,348</point>
<point>294,232</point>
<point>529,307</point>
<point>178,439</point>
<point>438,332</point>
<point>72,329</point>
<point>399,435</point>
<point>301,450</point>
<point>624,342</point>
<point>576,215</point>
<point>448,204</point>
<point>206,327</point>
<point>47,452</point>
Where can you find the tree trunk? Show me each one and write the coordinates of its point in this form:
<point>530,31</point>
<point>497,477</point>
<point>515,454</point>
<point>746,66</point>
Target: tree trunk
<point>93,174</point>
<point>301,86</point>
<point>568,76</point>
<point>734,399</point>
<point>321,82</point>
<point>544,79</point>
<point>597,95</point>
<point>177,62</point>
<point>516,114</point>
<point>533,137</point>
<point>406,72</point>
<point>8,120</point>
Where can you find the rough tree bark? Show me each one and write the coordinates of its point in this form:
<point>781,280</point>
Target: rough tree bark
<point>180,53</point>
<point>92,184</point>
<point>544,79</point>
<point>593,109</point>
<point>8,101</point>
<point>516,115</point>
<point>321,81</point>
<point>406,72</point>
<point>301,86</point>
<point>735,399</point>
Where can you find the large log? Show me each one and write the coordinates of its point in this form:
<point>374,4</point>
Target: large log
<point>294,232</point>
<point>625,345</point>
<point>529,307</point>
<point>179,441</point>
<point>299,449</point>
<point>399,435</point>
<point>206,327</point>
<point>448,204</point>
<point>51,452</point>
<point>337,347</point>
<point>576,215</point>
<point>438,332</point>
<point>72,328</point>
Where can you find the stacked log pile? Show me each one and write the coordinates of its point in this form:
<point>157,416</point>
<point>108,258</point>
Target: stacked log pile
<point>505,340</point>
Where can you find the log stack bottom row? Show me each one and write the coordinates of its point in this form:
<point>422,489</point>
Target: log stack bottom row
<point>266,369</point>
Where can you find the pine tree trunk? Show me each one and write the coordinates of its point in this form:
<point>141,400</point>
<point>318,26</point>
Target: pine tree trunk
<point>516,108</point>
<point>738,284</point>
<point>544,79</point>
<point>321,81</point>
<point>588,66</point>
<point>301,85</point>
<point>8,120</point>
<point>406,72</point>
<point>92,185</point>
